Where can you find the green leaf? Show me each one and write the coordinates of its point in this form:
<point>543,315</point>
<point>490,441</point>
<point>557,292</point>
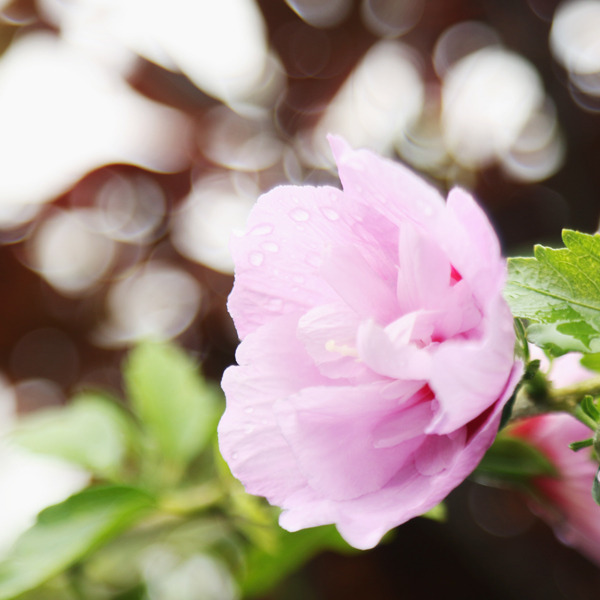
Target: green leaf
<point>67,532</point>
<point>596,487</point>
<point>513,459</point>
<point>92,431</point>
<point>437,513</point>
<point>177,407</point>
<point>264,569</point>
<point>559,290</point>
<point>591,362</point>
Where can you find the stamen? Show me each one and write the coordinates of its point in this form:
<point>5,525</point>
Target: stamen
<point>343,349</point>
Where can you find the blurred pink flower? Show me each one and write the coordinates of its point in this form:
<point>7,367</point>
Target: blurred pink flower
<point>565,501</point>
<point>377,350</point>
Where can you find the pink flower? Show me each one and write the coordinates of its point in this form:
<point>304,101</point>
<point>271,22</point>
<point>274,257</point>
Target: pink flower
<point>377,351</point>
<point>565,501</point>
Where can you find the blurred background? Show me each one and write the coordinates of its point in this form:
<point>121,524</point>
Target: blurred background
<point>135,135</point>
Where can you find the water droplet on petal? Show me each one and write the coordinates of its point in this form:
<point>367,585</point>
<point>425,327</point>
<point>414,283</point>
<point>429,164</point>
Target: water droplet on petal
<point>298,278</point>
<point>427,210</point>
<point>330,214</point>
<point>249,410</point>
<point>270,246</point>
<point>234,456</point>
<point>299,214</point>
<point>249,428</point>
<point>263,229</point>
<point>256,258</point>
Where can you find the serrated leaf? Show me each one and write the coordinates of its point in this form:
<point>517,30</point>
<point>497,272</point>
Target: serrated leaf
<point>65,533</point>
<point>176,406</point>
<point>559,289</point>
<point>91,431</point>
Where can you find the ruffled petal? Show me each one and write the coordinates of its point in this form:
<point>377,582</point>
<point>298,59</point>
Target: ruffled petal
<point>424,271</point>
<point>249,435</point>
<point>472,246</point>
<point>330,431</point>
<point>394,358</point>
<point>363,521</point>
<point>384,186</point>
<point>468,375</point>
<point>328,333</point>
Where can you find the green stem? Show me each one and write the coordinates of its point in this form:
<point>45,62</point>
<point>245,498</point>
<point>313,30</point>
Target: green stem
<point>185,502</point>
<point>548,399</point>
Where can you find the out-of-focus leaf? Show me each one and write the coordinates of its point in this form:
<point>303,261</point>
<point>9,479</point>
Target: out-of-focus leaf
<point>65,533</point>
<point>178,409</point>
<point>92,431</point>
<point>591,361</point>
<point>263,569</point>
<point>596,487</point>
<point>437,513</point>
<point>515,460</point>
<point>559,290</point>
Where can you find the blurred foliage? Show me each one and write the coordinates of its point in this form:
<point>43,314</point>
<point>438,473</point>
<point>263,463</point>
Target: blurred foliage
<point>162,513</point>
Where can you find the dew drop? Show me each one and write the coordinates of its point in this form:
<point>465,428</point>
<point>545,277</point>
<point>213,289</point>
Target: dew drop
<point>234,456</point>
<point>298,278</point>
<point>256,258</point>
<point>427,210</point>
<point>270,246</point>
<point>263,229</point>
<point>249,410</point>
<point>249,428</point>
<point>330,214</point>
<point>299,214</point>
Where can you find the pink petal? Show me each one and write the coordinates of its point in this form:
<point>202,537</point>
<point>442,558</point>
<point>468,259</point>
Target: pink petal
<point>278,257</point>
<point>438,452</point>
<point>358,285</point>
<point>249,436</point>
<point>424,271</point>
<point>391,358</point>
<point>330,432</point>
<point>364,520</point>
<point>387,187</point>
<point>467,375</point>
<point>328,333</point>
<point>468,238</point>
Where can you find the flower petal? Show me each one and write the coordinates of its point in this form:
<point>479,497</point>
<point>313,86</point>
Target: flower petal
<point>249,436</point>
<point>330,431</point>
<point>387,187</point>
<point>467,375</point>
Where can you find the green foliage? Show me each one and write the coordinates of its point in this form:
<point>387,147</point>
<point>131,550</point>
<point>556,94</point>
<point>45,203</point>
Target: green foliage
<point>92,431</point>
<point>591,361</point>
<point>67,532</point>
<point>437,513</point>
<point>159,486</point>
<point>265,568</point>
<point>596,487</point>
<point>559,292</point>
<point>513,460</point>
<point>178,409</point>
